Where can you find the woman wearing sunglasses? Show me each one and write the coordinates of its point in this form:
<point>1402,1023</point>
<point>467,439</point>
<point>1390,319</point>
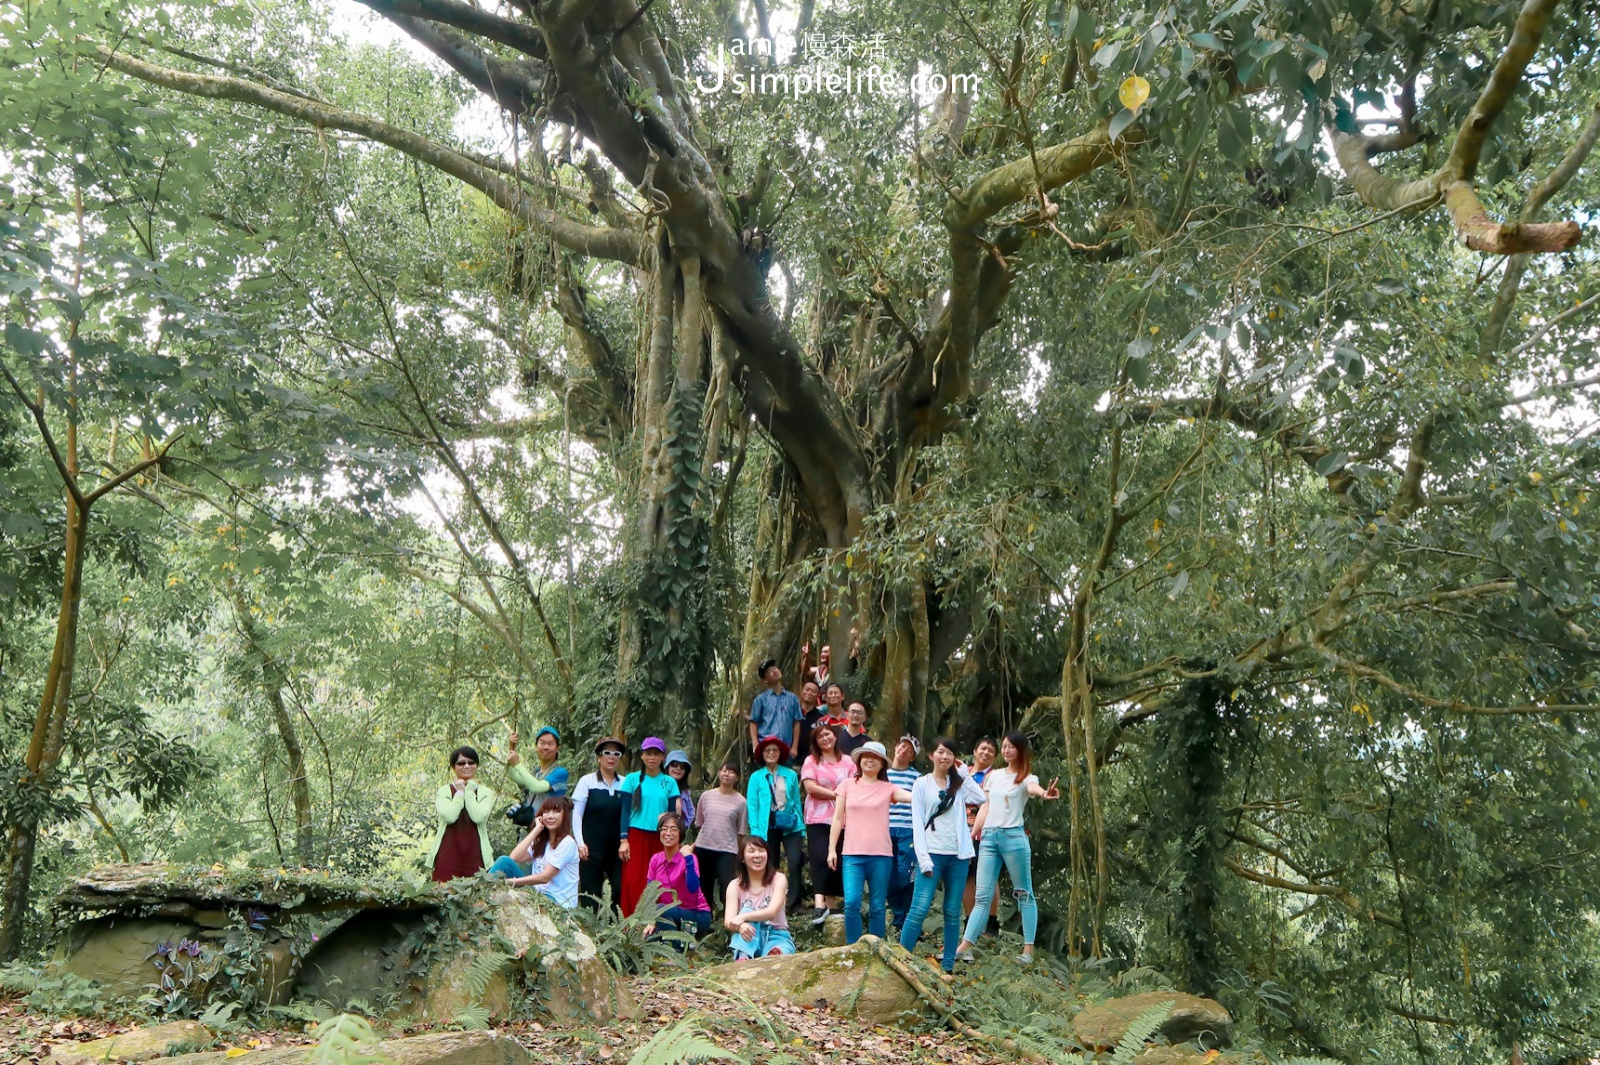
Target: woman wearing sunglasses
<point>461,845</point>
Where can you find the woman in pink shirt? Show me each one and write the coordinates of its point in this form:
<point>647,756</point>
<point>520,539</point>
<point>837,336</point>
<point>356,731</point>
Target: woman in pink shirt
<point>825,769</point>
<point>677,870</point>
<point>861,816</point>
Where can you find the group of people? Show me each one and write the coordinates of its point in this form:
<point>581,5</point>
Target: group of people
<point>861,822</point>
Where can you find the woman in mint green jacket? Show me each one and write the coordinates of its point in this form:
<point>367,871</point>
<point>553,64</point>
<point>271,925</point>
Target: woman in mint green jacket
<point>461,845</point>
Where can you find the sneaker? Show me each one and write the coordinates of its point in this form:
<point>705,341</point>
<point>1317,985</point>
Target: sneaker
<point>1024,959</point>
<point>819,915</point>
<point>965,955</point>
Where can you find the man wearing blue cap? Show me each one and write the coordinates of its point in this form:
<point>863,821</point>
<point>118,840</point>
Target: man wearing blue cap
<point>547,777</point>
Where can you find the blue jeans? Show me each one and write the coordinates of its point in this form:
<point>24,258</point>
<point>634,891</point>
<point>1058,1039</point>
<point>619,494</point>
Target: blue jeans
<point>903,880</point>
<point>506,867</point>
<point>952,873</point>
<point>767,942</point>
<point>873,872</point>
<point>694,922</point>
<point>1008,845</point>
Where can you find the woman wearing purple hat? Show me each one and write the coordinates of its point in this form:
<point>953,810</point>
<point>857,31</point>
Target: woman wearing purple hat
<point>776,804</point>
<point>650,793</point>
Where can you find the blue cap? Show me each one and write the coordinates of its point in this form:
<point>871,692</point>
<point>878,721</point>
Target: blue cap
<point>548,729</point>
<point>678,756</point>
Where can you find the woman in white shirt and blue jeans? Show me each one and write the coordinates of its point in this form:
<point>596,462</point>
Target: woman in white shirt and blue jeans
<point>1002,838</point>
<point>943,845</point>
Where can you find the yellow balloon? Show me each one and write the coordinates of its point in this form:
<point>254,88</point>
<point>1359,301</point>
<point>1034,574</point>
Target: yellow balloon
<point>1134,92</point>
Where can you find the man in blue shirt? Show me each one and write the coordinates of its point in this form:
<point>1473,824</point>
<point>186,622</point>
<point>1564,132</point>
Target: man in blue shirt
<point>775,712</point>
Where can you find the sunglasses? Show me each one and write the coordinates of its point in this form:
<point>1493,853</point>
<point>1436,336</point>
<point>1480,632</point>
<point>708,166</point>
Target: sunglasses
<point>610,754</point>
<point>466,763</point>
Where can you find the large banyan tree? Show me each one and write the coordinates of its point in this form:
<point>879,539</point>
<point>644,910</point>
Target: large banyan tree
<point>1200,384</point>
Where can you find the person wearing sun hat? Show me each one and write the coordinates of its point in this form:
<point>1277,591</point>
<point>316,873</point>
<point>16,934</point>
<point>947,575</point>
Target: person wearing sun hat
<point>598,803</point>
<point>678,766</point>
<point>775,809</point>
<point>861,817</point>
<point>651,793</point>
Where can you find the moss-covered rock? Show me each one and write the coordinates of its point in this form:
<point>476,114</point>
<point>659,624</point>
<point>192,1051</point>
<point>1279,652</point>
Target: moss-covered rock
<point>137,1044</point>
<point>1188,1018</point>
<point>851,980</point>
<point>116,952</point>
<point>552,962</point>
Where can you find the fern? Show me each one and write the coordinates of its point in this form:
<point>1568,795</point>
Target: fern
<point>219,1014</point>
<point>18,979</point>
<point>683,1043</point>
<point>1139,1032</point>
<point>312,1013</point>
<point>474,1018</point>
<point>1309,1061</point>
<point>346,1040</point>
<point>484,968</point>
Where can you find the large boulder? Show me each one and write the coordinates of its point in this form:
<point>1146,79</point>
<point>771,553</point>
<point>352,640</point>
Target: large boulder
<point>136,1044</point>
<point>552,968</point>
<point>370,960</point>
<point>1189,1017</point>
<point>118,952</point>
<point>852,980</point>
<point>437,1048</point>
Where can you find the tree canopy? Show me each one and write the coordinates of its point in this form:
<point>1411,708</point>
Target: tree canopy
<point>1203,387</point>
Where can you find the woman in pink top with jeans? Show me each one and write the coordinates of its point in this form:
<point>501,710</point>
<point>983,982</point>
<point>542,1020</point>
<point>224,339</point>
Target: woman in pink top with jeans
<point>861,816</point>
<point>821,776</point>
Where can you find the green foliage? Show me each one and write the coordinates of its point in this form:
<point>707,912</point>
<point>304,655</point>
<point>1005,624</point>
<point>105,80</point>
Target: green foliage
<point>1140,1030</point>
<point>681,1043</point>
<point>346,1040</point>
<point>66,994</point>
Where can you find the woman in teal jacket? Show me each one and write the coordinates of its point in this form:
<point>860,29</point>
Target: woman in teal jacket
<point>461,844</point>
<point>774,800</point>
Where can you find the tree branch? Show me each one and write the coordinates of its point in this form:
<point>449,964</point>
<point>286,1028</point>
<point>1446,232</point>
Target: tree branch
<point>1500,314</point>
<point>599,243</point>
<point>1342,895</point>
<point>1452,182</point>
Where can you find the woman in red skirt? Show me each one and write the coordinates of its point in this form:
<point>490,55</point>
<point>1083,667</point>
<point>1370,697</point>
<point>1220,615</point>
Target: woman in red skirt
<point>461,845</point>
<point>650,793</point>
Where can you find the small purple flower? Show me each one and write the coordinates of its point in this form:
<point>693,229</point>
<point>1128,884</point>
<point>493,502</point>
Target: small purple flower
<point>189,947</point>
<point>163,950</point>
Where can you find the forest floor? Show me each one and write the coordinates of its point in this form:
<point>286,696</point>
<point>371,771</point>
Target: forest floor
<point>803,1034</point>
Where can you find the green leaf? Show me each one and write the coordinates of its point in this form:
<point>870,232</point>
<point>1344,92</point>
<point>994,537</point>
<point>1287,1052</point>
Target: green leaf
<point>1332,462</point>
<point>1120,122</point>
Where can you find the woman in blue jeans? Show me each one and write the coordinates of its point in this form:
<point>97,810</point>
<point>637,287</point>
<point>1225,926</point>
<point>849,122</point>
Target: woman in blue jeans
<point>861,817</point>
<point>943,845</point>
<point>1003,839</point>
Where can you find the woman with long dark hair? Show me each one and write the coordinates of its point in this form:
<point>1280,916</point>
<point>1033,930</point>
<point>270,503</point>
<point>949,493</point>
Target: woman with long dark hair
<point>463,807</point>
<point>943,846</point>
<point>721,818</point>
<point>1003,839</point>
<point>651,793</point>
<point>550,852</point>
<point>824,770</point>
<point>753,906</point>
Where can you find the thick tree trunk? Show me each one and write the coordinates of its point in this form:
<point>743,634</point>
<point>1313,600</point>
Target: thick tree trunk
<point>663,647</point>
<point>49,727</point>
